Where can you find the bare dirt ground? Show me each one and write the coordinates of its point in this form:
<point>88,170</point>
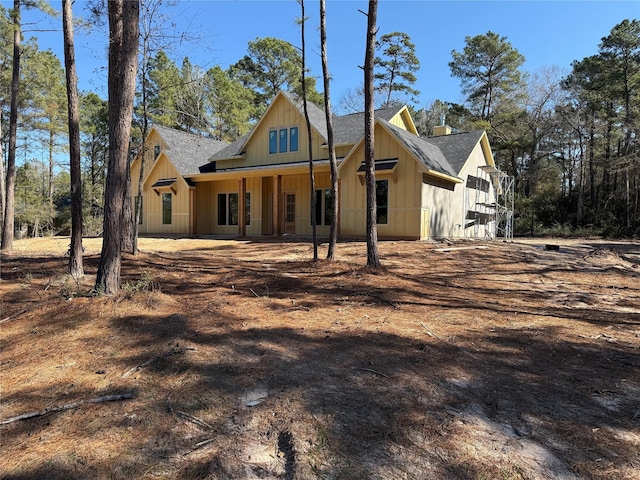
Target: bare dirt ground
<point>244,360</point>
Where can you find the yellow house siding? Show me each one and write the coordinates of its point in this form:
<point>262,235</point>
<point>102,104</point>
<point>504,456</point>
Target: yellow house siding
<point>152,202</point>
<point>281,115</point>
<point>404,206</point>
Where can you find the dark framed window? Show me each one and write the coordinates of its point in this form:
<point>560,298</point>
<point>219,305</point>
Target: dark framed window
<point>166,208</point>
<point>233,208</point>
<point>328,207</point>
<point>382,201</point>
<point>222,209</point>
<point>273,141</point>
<point>293,139</point>
<point>229,208</point>
<point>283,140</point>
<point>156,151</point>
<point>324,207</point>
<point>247,208</point>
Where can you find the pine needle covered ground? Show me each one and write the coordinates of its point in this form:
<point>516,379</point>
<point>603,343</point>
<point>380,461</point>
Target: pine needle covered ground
<point>240,360</point>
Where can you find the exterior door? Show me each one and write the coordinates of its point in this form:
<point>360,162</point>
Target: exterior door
<point>289,213</point>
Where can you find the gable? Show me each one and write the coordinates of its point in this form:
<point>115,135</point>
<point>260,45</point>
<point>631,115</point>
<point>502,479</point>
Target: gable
<point>284,124</point>
<point>162,170</point>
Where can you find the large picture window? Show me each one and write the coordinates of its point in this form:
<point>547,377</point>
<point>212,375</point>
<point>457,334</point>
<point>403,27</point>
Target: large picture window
<point>324,207</point>
<point>382,201</point>
<point>166,208</point>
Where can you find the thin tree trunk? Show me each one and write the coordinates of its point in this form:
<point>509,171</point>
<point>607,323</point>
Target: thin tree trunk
<point>333,235</point>
<point>123,61</point>
<point>9,208</point>
<point>314,220</point>
<point>128,230</point>
<point>373,257</point>
<point>3,198</point>
<point>76,268</point>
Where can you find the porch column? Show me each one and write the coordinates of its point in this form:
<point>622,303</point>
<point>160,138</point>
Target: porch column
<point>242,190</point>
<point>276,205</point>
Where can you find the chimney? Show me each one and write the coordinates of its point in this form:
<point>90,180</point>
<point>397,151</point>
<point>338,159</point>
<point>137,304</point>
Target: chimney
<point>441,130</point>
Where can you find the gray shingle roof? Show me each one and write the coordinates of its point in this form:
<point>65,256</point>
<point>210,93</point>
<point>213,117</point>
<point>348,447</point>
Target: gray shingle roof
<point>349,128</point>
<point>457,147</point>
<point>230,150</point>
<point>427,153</point>
<point>186,151</point>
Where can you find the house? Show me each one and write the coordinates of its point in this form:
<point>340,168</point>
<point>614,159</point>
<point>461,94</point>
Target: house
<point>446,185</point>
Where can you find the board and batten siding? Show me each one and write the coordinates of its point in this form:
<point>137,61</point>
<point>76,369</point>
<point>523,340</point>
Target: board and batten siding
<point>281,115</point>
<point>404,201</point>
<point>152,202</point>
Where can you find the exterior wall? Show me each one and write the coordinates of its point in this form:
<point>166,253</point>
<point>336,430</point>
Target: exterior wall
<point>404,208</point>
<point>152,202</point>
<point>449,208</point>
<point>444,206</point>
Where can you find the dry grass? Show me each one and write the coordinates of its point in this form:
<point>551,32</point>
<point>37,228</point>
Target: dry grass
<point>247,360</point>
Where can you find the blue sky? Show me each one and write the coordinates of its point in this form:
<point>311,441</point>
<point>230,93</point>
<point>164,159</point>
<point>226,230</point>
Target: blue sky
<point>547,33</point>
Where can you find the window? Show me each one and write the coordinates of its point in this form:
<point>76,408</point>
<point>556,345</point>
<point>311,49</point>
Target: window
<point>283,140</point>
<point>166,208</point>
<point>382,201</point>
<point>233,208</point>
<point>324,207</point>
<point>290,208</point>
<point>293,139</point>
<point>247,208</point>
<point>229,209</point>
<point>139,201</point>
<point>156,152</point>
<point>273,141</point>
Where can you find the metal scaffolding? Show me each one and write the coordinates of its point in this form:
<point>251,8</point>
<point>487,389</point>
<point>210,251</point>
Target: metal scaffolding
<point>489,204</point>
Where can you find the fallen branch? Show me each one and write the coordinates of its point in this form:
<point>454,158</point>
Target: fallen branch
<point>374,371</point>
<point>199,445</point>
<point>195,420</point>
<point>252,291</point>
<point>10,317</point>
<point>68,406</point>
<point>430,332</point>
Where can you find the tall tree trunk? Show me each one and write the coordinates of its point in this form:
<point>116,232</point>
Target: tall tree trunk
<point>76,268</point>
<point>9,208</point>
<point>312,181</point>
<point>123,62</point>
<point>333,235</point>
<point>3,197</point>
<point>373,257</point>
<point>50,179</point>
